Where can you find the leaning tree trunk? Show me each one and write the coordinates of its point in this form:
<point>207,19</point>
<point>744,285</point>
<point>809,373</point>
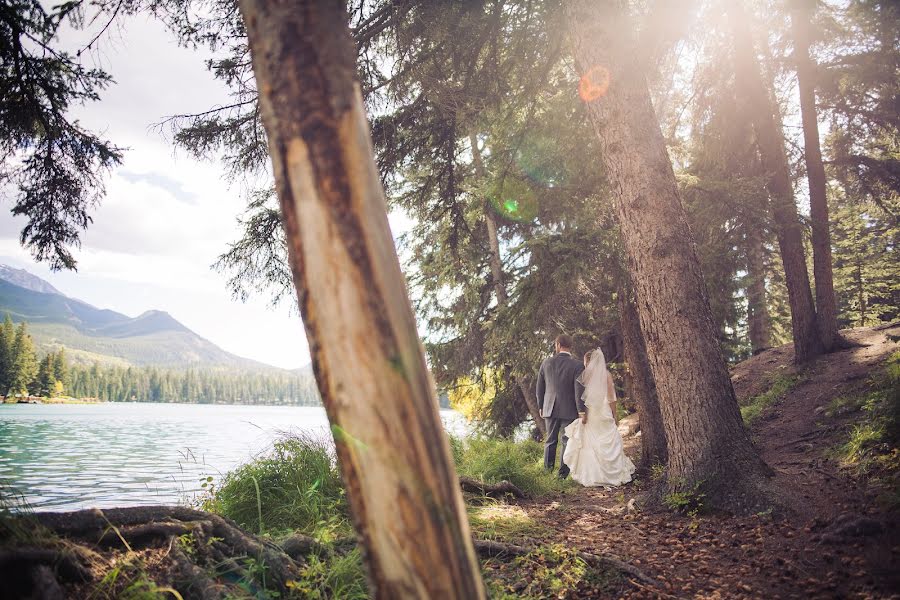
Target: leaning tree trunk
<point>826,305</point>
<point>708,444</point>
<point>369,364</point>
<point>761,111</point>
<point>497,278</point>
<point>642,386</point>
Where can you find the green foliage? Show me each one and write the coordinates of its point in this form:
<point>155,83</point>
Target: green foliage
<point>866,261</point>
<point>780,385</point>
<point>551,571</point>
<point>51,165</point>
<point>295,486</point>
<point>687,499</point>
<point>873,444</point>
<point>335,576</point>
<point>494,520</point>
<point>496,460</point>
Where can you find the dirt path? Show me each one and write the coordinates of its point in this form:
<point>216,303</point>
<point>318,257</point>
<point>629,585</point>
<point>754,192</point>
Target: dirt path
<point>758,556</point>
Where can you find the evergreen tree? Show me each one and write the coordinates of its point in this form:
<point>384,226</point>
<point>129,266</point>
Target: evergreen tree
<point>60,368</point>
<point>24,363</point>
<point>55,165</point>
<point>7,359</point>
<point>45,377</point>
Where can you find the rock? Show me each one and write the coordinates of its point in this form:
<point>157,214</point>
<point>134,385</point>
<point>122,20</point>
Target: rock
<point>847,525</point>
<point>819,410</point>
<point>629,425</point>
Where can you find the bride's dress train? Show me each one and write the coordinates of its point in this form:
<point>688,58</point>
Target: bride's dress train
<point>594,453</point>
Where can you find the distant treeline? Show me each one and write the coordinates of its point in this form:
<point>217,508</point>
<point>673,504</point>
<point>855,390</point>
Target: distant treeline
<point>22,374</point>
<point>204,386</point>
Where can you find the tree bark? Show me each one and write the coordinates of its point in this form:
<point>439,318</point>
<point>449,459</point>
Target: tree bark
<point>759,324</point>
<point>760,109</point>
<point>707,442</point>
<point>826,305</point>
<point>498,280</point>
<point>641,384</point>
<point>369,363</point>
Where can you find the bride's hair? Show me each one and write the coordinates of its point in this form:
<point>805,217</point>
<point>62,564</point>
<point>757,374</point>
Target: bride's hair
<point>587,355</point>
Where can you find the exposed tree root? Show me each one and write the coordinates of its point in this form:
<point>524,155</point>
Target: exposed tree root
<point>494,490</point>
<point>492,549</point>
<point>205,552</point>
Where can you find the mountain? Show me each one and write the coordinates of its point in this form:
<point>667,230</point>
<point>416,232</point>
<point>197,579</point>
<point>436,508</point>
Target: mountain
<point>24,279</point>
<point>92,334</point>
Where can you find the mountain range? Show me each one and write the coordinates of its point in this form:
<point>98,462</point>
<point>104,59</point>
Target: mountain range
<point>92,334</point>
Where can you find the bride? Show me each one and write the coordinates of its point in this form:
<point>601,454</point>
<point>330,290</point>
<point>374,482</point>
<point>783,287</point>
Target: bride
<point>594,453</point>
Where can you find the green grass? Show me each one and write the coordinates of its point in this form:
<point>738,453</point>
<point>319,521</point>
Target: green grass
<point>503,522</point>
<point>780,385</point>
<point>551,571</point>
<point>494,460</point>
<point>294,487</point>
<point>843,405</point>
<point>872,446</point>
<point>332,577</point>
<point>875,437</point>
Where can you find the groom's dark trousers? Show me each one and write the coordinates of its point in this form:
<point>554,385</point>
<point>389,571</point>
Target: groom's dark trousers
<point>559,398</point>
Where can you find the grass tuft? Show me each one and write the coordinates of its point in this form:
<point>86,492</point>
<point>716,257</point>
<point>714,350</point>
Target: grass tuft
<point>333,577</point>
<point>295,487</point>
<point>503,522</point>
<point>494,460</point>
<point>781,385</point>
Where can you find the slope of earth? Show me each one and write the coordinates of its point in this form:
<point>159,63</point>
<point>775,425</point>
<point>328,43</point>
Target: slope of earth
<point>841,538</point>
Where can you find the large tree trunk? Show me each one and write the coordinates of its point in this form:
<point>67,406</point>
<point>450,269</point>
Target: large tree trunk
<point>826,305</point>
<point>641,385</point>
<point>708,445</point>
<point>369,364</point>
<point>497,278</point>
<point>759,324</point>
<point>761,111</point>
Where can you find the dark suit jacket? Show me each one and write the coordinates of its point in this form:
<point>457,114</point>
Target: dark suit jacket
<point>558,392</point>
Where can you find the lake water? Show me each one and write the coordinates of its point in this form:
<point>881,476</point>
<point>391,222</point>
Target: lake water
<point>70,456</point>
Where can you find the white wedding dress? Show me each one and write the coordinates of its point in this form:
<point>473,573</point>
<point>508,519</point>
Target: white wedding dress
<point>594,454</point>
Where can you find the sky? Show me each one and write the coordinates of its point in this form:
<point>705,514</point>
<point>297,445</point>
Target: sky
<point>166,216</point>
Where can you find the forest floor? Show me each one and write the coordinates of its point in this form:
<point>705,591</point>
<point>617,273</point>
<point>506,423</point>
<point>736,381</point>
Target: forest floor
<point>830,432</point>
<point>840,537</point>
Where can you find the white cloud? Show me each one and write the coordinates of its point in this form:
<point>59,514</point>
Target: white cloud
<point>165,217</point>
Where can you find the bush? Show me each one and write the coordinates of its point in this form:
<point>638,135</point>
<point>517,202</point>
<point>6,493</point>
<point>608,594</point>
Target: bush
<point>295,487</point>
<point>494,460</point>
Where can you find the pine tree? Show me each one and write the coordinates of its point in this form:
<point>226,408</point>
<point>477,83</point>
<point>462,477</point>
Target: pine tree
<point>7,359</point>
<point>61,368</point>
<point>24,361</point>
<point>708,445</point>
<point>45,377</point>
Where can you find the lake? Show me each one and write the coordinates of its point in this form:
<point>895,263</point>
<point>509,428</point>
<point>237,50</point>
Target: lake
<point>71,456</point>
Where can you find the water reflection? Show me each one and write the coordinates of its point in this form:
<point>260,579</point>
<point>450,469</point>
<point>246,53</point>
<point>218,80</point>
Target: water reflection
<point>66,457</point>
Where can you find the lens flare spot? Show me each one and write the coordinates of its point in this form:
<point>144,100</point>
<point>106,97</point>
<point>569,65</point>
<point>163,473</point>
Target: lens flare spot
<point>515,200</point>
<point>594,84</point>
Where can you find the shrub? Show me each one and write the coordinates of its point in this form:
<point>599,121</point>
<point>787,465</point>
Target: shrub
<point>494,460</point>
<point>295,487</point>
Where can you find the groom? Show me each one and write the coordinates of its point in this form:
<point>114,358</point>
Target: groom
<point>559,398</point>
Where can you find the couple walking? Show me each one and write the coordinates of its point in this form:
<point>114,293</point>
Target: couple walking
<point>578,400</point>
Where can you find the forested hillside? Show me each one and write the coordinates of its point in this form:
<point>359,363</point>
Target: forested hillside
<point>94,335</point>
<point>24,374</point>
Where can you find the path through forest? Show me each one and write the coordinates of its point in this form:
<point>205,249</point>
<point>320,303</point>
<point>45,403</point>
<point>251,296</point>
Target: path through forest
<point>839,543</point>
